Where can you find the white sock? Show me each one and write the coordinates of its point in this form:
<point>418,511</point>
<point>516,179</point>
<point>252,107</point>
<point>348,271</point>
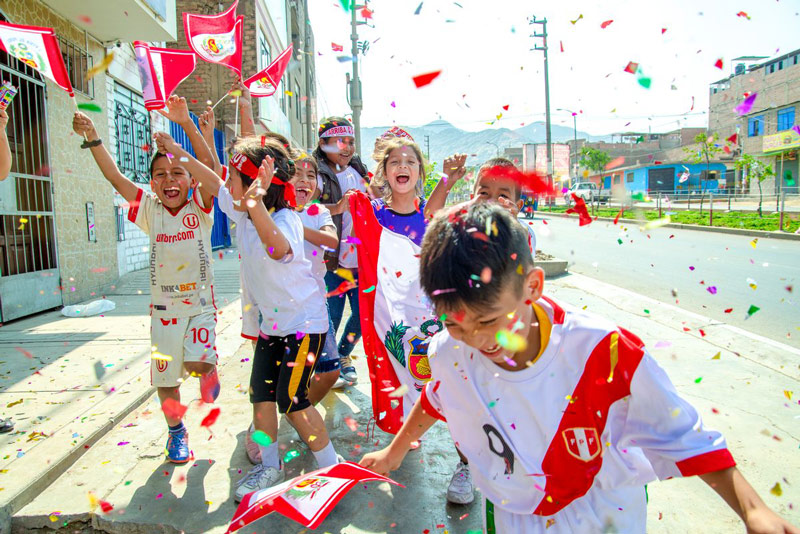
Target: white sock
<point>326,457</point>
<point>269,455</point>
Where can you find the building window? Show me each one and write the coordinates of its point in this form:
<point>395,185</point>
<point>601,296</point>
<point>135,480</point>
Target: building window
<point>755,126</point>
<point>780,65</point>
<point>264,55</point>
<point>771,69</point>
<point>78,62</point>
<point>132,122</point>
<point>629,177</point>
<point>785,119</point>
<point>616,180</point>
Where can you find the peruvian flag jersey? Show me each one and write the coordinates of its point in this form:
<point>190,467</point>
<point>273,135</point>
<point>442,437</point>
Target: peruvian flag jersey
<point>570,441</point>
<point>181,278</point>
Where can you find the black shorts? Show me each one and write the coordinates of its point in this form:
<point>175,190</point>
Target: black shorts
<point>282,369</point>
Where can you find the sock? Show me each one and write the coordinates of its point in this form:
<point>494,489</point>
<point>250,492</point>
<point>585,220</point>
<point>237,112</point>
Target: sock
<point>177,428</point>
<point>326,457</point>
<point>269,455</point>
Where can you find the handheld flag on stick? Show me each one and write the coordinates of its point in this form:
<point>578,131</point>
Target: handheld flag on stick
<point>36,47</point>
<point>216,38</point>
<point>265,83</point>
<point>161,71</point>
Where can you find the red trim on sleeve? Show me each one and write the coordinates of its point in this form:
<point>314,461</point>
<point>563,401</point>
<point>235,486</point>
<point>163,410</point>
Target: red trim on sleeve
<point>251,338</point>
<point>133,211</point>
<point>428,408</point>
<point>195,196</point>
<point>706,463</point>
<point>558,311</point>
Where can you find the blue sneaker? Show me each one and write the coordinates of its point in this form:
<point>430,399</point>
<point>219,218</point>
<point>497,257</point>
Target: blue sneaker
<point>178,447</point>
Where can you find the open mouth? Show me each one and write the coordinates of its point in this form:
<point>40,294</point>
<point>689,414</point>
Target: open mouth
<point>303,193</point>
<point>402,178</point>
<point>491,351</point>
<point>172,192</point>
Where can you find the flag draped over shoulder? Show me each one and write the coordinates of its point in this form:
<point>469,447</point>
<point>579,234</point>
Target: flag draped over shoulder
<point>265,83</point>
<point>161,71</point>
<point>397,320</point>
<point>36,47</point>
<point>216,38</point>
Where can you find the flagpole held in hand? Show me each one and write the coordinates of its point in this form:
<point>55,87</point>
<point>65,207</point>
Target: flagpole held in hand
<point>236,128</point>
<point>75,104</point>
<point>218,101</point>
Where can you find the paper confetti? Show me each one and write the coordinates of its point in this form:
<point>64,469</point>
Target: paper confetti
<point>743,15</point>
<point>746,105</point>
<point>658,223</point>
<point>631,67</point>
<point>211,418</point>
<point>606,24</point>
<point>776,489</point>
<point>752,310</point>
<point>425,79</point>
<point>90,106</point>
<point>718,64</point>
<point>419,8</point>
<point>261,438</point>
<point>100,67</point>
<point>576,20</point>
<point>173,409</point>
<point>511,341</point>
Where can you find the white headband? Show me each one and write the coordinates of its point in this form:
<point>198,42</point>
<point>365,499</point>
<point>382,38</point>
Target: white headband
<point>339,131</point>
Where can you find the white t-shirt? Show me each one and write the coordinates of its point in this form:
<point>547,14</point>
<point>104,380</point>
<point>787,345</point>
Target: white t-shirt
<point>285,291</point>
<point>558,440</point>
<point>348,179</point>
<point>314,253</point>
<point>531,236</point>
<point>181,278</point>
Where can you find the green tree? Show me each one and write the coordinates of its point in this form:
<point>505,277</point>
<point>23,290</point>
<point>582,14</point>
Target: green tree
<point>593,159</point>
<point>755,168</point>
<point>705,151</point>
<point>461,188</point>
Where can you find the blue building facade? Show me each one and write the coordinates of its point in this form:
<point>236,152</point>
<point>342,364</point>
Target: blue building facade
<point>664,177</point>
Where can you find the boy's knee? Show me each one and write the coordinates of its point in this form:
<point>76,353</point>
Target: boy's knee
<point>198,368</point>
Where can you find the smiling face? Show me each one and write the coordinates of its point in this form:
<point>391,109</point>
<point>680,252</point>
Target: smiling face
<point>402,168</point>
<point>171,182</point>
<point>338,150</point>
<point>304,182</point>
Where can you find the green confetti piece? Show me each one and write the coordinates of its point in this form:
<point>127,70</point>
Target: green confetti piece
<point>443,317</point>
<point>698,379</point>
<point>90,106</point>
<point>619,241</point>
<point>128,482</point>
<point>491,404</point>
<point>647,311</point>
<point>644,81</point>
<point>261,438</point>
<point>346,5</point>
<point>369,289</point>
<point>289,456</point>
<point>753,309</point>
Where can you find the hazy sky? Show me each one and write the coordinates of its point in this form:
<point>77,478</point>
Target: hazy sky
<point>483,50</point>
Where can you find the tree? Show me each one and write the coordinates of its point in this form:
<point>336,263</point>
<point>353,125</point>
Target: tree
<point>460,190</point>
<point>593,159</point>
<point>755,168</point>
<point>703,153</point>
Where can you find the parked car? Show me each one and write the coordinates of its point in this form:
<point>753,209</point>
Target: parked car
<point>588,191</point>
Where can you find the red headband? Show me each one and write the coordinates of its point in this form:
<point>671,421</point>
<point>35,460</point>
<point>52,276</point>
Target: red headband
<point>243,164</point>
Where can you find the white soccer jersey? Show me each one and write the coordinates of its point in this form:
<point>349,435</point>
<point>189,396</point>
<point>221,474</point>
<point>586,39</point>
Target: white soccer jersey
<point>315,254</point>
<point>569,442</point>
<point>181,278</point>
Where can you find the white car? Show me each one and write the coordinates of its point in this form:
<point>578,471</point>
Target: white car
<point>586,190</point>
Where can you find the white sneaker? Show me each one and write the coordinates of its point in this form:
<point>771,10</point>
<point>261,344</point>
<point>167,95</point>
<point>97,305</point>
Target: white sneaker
<point>460,490</point>
<point>258,478</point>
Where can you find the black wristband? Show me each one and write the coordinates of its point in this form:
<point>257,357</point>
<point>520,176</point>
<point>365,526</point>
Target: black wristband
<point>89,144</point>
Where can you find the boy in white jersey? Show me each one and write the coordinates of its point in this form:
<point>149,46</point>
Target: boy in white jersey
<point>563,416</point>
<point>183,313</point>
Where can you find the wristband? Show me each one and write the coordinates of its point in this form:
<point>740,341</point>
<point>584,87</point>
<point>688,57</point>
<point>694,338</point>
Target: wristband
<point>89,144</point>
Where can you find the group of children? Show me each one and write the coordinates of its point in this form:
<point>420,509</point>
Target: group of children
<point>581,417</point>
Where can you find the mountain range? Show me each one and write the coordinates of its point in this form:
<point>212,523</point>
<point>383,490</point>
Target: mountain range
<point>446,139</point>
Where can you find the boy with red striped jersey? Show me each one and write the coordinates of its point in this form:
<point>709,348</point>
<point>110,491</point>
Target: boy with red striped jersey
<point>564,416</point>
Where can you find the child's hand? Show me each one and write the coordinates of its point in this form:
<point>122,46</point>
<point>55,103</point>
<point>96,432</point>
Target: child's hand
<point>382,461</point>
<point>83,125</point>
<point>244,99</point>
<point>344,203</point>
<point>762,520</point>
<point>512,208</point>
<point>207,122</point>
<point>258,188</point>
<point>177,111</point>
<point>3,119</point>
<point>165,144</point>
<point>454,168</point>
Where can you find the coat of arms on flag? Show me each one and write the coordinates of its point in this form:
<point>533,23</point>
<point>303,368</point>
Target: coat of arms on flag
<point>216,38</point>
<point>36,47</point>
<point>582,443</point>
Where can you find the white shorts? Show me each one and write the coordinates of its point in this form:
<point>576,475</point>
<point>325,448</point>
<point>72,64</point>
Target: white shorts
<point>175,341</point>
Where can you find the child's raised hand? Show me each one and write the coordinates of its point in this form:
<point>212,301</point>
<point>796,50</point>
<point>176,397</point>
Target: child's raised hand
<point>454,167</point>
<point>165,144</point>
<point>82,124</point>
<point>239,86</point>
<point>509,205</point>
<point>207,121</point>
<point>177,110</point>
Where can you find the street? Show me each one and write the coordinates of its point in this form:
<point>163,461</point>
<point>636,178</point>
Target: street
<point>712,274</point>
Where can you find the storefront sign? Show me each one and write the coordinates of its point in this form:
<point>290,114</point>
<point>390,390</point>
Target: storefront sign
<point>781,141</point>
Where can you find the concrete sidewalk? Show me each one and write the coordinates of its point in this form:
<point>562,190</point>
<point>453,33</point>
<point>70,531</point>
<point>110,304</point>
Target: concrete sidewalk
<point>67,382</point>
<point>742,393</point>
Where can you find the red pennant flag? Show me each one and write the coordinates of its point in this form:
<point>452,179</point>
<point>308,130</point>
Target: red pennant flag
<point>265,83</point>
<point>216,38</point>
<point>161,71</point>
<point>580,208</point>
<point>307,499</point>
<point>38,48</point>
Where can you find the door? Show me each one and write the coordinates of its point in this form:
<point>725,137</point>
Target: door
<point>29,276</point>
<point>662,179</point>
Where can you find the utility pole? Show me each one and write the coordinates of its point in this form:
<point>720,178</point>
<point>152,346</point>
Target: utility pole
<point>355,83</point>
<point>543,48</point>
<point>428,147</point>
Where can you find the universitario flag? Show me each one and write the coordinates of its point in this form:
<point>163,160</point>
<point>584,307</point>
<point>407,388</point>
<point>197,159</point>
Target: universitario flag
<point>161,71</point>
<point>307,499</point>
<point>397,320</point>
<point>265,83</point>
<point>216,38</point>
<point>38,48</point>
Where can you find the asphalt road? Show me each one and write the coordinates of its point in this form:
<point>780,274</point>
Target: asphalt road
<point>702,272</point>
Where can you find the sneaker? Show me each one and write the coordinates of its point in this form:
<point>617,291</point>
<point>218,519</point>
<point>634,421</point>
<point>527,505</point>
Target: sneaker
<point>6,425</point>
<point>460,490</point>
<point>251,447</point>
<point>348,374</point>
<point>178,447</point>
<point>209,386</point>
<point>258,478</point>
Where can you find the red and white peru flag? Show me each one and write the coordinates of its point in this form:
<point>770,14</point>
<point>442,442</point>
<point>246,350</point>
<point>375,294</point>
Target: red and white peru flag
<point>216,38</point>
<point>265,83</point>
<point>38,48</point>
<point>161,71</point>
<point>397,319</point>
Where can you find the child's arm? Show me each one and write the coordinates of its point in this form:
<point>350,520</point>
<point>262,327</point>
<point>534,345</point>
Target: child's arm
<point>454,169</point>
<point>275,243</point>
<point>324,237</point>
<point>84,127</point>
<point>390,458</point>
<point>5,149</point>
<point>178,112</point>
<point>247,127</point>
<point>208,179</point>
<point>207,122</point>
<point>731,485</point>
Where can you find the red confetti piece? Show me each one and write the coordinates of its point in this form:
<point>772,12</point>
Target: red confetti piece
<point>366,13</point>
<point>729,310</point>
<point>351,423</point>
<point>743,15</point>
<point>561,43</point>
<point>313,209</point>
<point>145,147</point>
<point>702,332</point>
<point>105,506</point>
<point>580,208</point>
<point>398,274</point>
<point>718,64</point>
<point>506,107</point>
<point>619,214</point>
<point>86,19</point>
<point>424,79</point>
<point>631,67</point>
<point>211,418</point>
<point>24,352</point>
<point>733,139</point>
<point>606,24</point>
<point>173,409</point>
<point>337,47</point>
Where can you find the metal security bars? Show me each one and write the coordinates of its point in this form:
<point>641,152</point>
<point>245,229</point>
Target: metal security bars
<point>78,62</point>
<point>132,123</point>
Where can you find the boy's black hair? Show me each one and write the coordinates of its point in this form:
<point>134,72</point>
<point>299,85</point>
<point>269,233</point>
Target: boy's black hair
<point>156,157</point>
<point>456,250</point>
<point>503,163</point>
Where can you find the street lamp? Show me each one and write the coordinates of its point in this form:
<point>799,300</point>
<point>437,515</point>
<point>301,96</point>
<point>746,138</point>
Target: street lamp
<point>574,138</point>
<point>496,146</point>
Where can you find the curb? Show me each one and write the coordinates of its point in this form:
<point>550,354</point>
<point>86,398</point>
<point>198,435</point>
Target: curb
<point>552,268</point>
<point>719,229</point>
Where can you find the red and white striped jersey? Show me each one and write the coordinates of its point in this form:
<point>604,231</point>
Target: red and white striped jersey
<point>574,437</point>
